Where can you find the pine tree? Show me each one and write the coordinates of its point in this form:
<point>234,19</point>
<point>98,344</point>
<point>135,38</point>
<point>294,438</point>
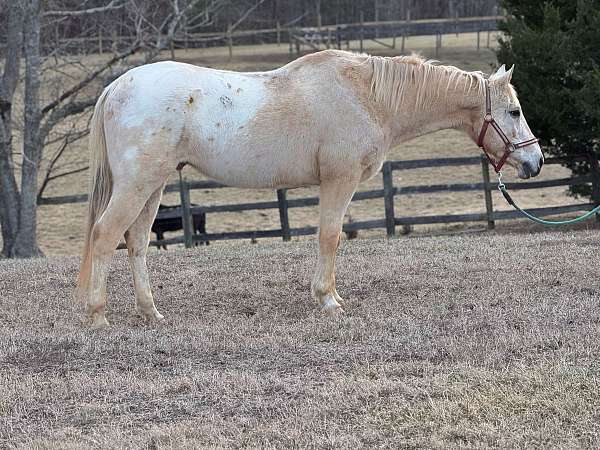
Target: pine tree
<point>555,46</point>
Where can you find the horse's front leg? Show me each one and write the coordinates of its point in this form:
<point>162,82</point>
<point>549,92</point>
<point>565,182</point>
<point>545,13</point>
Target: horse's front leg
<point>334,199</point>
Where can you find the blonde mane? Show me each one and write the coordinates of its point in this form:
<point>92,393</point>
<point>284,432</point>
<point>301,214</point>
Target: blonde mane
<point>395,78</point>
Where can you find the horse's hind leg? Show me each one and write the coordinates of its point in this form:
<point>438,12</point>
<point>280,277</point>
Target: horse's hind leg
<point>137,238</point>
<point>124,206</point>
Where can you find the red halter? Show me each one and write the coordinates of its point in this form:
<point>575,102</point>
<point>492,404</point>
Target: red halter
<point>488,120</point>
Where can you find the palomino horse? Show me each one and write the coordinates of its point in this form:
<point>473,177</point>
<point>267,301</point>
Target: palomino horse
<point>326,119</point>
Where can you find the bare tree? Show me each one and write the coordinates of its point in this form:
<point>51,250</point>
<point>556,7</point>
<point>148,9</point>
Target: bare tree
<point>18,207</point>
<point>153,24</point>
<point>10,199</point>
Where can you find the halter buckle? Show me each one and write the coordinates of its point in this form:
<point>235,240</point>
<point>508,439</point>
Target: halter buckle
<point>500,183</point>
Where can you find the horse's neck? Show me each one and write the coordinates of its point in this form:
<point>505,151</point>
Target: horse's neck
<point>429,109</point>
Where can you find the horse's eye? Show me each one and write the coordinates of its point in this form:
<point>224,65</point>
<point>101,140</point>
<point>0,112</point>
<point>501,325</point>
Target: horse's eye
<point>515,113</point>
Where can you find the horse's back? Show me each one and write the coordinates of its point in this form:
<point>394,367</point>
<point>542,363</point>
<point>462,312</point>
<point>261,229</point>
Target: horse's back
<point>263,129</point>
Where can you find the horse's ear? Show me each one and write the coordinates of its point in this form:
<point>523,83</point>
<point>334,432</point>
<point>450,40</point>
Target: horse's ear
<point>509,73</point>
<point>502,76</point>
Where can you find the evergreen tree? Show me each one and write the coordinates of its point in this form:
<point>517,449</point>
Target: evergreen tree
<point>555,46</point>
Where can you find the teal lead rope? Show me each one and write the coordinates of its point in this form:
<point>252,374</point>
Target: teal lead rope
<point>508,198</point>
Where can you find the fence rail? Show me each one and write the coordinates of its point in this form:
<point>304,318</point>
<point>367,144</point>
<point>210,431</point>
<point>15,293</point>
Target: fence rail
<point>389,193</point>
<point>325,36</point>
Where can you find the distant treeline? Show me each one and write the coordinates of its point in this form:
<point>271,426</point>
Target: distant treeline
<point>217,15</point>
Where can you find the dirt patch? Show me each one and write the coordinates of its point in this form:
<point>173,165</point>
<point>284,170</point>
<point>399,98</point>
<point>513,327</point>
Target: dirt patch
<point>464,341</point>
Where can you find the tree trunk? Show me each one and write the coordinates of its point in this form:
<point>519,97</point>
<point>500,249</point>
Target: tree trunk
<point>25,245</point>
<point>9,194</point>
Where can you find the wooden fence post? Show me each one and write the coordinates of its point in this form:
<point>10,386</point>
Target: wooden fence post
<point>404,30</point>
<point>230,42</point>
<point>186,215</point>
<point>478,40</point>
<point>456,22</point>
<point>283,214</point>
<point>278,34</point>
<point>487,191</point>
<point>338,38</point>
<point>362,30</point>
<point>595,168</point>
<point>388,199</point>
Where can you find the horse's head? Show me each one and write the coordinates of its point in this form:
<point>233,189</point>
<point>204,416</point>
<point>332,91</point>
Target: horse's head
<point>501,130</point>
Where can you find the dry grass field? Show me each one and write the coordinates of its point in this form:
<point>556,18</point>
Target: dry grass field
<point>61,227</point>
<point>448,342</point>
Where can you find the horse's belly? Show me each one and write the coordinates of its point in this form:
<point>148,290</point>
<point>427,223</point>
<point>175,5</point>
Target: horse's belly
<point>257,167</point>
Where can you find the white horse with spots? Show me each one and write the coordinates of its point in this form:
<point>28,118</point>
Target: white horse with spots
<point>326,119</point>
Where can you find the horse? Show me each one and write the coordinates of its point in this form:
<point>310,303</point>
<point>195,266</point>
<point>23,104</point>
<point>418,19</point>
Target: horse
<point>160,225</point>
<point>325,119</point>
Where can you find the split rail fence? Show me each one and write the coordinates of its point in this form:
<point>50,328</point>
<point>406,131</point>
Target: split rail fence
<point>311,38</point>
<point>389,192</point>
<point>330,36</point>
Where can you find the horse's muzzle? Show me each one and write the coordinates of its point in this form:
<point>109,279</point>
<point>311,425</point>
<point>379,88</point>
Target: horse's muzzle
<point>528,170</point>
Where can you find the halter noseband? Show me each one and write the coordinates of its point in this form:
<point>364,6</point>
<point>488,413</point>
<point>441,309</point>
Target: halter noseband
<point>488,120</point>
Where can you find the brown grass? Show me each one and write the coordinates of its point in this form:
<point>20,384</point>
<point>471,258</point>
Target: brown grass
<point>448,342</point>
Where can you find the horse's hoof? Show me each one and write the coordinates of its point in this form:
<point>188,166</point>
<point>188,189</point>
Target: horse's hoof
<point>338,311</point>
<point>339,299</point>
<point>331,307</point>
<point>99,322</point>
<point>152,316</point>
<point>157,317</point>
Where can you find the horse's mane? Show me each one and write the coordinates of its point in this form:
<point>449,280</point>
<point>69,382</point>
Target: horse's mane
<point>393,78</point>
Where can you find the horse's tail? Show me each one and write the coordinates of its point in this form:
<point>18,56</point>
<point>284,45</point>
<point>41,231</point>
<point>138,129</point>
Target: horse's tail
<point>100,190</point>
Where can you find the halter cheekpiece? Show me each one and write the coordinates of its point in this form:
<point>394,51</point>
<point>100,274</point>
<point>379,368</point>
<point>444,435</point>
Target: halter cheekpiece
<point>488,120</point>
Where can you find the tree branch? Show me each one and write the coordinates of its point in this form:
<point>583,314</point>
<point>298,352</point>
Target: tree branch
<point>58,114</point>
<point>245,16</point>
<point>68,139</point>
<point>114,4</point>
<point>91,77</point>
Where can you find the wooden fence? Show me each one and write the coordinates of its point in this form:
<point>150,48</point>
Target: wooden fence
<point>325,36</point>
<point>389,193</point>
<point>329,36</point>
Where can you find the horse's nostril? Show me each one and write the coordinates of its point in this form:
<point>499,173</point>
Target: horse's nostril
<point>541,161</point>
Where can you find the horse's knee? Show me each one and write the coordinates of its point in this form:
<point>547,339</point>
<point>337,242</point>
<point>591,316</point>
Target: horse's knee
<point>329,237</point>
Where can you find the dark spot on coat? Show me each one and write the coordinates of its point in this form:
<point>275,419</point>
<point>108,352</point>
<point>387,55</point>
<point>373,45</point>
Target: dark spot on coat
<point>191,100</point>
<point>229,85</point>
<point>238,91</point>
<point>211,139</point>
<point>226,101</point>
<point>218,124</point>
